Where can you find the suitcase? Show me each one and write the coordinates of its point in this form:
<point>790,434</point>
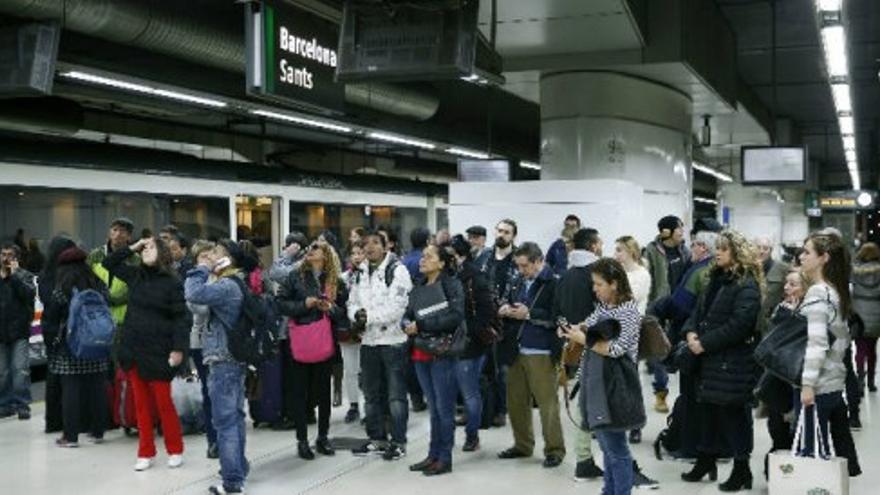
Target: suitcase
<point>123,410</point>
<point>264,393</point>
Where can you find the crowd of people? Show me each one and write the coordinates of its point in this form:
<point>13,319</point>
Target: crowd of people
<point>477,334</point>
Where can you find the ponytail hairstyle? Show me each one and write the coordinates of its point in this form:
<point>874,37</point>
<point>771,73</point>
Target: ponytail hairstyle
<point>838,268</point>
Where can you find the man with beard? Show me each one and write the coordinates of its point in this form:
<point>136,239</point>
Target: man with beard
<point>557,255</point>
<point>502,274</point>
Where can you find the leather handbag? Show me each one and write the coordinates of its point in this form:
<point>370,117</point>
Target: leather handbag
<point>782,351</point>
<point>653,342</point>
<point>430,300</point>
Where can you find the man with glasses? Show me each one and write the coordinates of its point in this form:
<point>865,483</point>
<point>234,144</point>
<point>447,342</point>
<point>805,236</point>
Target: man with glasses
<point>17,292</point>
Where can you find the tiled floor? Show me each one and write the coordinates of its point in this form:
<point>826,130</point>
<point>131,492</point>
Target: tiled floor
<point>31,464</point>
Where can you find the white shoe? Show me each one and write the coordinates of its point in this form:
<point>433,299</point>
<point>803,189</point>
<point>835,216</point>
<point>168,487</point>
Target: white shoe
<point>175,460</point>
<point>143,463</point>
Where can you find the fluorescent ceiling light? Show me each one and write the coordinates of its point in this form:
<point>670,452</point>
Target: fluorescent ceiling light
<point>847,125</point>
<point>467,153</point>
<point>853,166</point>
<point>849,142</point>
<point>302,121</point>
<point>841,97</point>
<point>850,155</point>
<point>828,5</point>
<point>707,201</point>
<point>530,165</point>
<point>711,171</point>
<point>142,88</point>
<point>834,40</point>
<point>381,136</point>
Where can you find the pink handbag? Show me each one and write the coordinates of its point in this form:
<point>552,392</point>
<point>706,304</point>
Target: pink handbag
<point>313,342</point>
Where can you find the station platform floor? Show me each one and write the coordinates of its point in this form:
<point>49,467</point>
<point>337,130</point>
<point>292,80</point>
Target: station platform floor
<point>30,463</point>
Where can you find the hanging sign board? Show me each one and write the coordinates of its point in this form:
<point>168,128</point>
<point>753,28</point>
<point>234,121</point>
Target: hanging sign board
<point>292,57</point>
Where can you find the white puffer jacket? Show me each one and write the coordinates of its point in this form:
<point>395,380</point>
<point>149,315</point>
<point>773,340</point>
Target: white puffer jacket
<point>385,305</point>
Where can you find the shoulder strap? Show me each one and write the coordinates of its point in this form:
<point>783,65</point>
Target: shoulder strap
<point>523,324</point>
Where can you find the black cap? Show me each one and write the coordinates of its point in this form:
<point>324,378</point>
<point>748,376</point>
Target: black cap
<point>670,222</point>
<point>477,230</point>
<point>706,224</point>
<point>123,222</point>
<point>296,237</point>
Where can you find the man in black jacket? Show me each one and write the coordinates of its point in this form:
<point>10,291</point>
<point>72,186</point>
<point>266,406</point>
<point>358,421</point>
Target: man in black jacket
<point>16,312</point>
<point>574,301</point>
<point>532,371</point>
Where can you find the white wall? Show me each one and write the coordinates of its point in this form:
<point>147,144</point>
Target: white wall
<point>613,207</point>
<point>754,211</point>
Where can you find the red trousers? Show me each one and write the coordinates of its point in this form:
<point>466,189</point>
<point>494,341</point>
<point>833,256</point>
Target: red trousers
<point>159,394</point>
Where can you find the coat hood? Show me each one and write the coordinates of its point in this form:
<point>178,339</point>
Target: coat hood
<point>867,275</point>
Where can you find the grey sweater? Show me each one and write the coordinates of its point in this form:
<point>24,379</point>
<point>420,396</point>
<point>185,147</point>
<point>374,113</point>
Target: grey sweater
<point>824,370</point>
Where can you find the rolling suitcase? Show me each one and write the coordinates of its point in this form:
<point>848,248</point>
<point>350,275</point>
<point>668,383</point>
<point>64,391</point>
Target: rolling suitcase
<point>264,393</point>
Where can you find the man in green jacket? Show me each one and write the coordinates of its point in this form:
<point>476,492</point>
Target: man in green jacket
<point>120,236</point>
<point>774,275</point>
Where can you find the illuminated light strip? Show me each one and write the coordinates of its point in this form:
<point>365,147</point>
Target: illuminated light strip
<point>142,88</point>
<point>467,153</point>
<point>711,171</point>
<point>707,201</point>
<point>828,5</point>
<point>391,138</point>
<point>530,165</point>
<point>302,121</point>
<point>842,99</point>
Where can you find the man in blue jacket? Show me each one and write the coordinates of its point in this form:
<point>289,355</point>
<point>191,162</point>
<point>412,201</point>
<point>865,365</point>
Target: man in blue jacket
<point>557,255</point>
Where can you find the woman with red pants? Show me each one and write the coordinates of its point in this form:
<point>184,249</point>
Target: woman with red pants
<point>152,343</point>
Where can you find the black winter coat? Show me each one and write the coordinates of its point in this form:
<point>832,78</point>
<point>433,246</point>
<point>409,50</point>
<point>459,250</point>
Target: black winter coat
<point>726,373</point>
<point>157,321</point>
<point>541,314</point>
<point>292,300</point>
<point>574,299</point>
<point>440,322</point>
<point>479,306</point>
<point>16,306</point>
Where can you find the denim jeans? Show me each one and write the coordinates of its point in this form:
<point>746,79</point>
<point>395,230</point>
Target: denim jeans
<point>618,475</point>
<point>467,374</point>
<point>383,374</point>
<point>661,377</point>
<point>437,379</point>
<point>204,373</point>
<point>15,376</point>
<point>226,389</point>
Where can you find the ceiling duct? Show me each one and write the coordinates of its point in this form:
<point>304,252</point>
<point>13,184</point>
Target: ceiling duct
<point>163,26</point>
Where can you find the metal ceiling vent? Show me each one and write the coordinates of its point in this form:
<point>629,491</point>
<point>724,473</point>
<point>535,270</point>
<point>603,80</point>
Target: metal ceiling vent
<point>163,26</point>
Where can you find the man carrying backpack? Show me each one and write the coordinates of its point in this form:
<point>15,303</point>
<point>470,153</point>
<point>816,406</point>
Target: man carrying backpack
<point>376,305</point>
<point>224,297</point>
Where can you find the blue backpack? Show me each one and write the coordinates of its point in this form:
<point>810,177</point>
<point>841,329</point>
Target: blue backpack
<point>89,325</point>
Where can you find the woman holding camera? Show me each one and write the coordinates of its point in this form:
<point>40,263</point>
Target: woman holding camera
<point>314,300</point>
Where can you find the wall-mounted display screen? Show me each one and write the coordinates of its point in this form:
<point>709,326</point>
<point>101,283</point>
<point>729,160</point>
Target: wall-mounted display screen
<point>773,165</point>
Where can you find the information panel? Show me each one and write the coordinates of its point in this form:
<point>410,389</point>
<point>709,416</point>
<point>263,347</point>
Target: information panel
<point>773,165</point>
<point>292,57</point>
<point>484,170</point>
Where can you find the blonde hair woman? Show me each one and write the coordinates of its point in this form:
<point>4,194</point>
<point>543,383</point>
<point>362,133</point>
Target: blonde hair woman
<point>722,334</point>
<point>629,254</point>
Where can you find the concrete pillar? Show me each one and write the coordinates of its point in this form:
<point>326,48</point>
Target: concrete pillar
<point>603,125</point>
<point>754,211</point>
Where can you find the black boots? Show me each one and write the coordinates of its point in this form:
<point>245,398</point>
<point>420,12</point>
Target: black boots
<point>304,451</point>
<point>705,465</point>
<point>740,477</point>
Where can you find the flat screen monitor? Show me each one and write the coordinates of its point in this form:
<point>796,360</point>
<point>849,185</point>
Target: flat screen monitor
<point>774,164</point>
<point>484,170</point>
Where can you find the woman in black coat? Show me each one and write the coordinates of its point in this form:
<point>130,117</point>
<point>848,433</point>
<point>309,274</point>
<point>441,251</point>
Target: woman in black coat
<point>722,334</point>
<point>427,317</point>
<point>313,292</point>
<point>153,341</point>
<point>479,310</point>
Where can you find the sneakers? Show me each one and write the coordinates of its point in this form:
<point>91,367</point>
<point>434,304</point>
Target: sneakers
<point>394,452</point>
<point>175,461</point>
<point>855,423</point>
<point>221,490</point>
<point>64,444</point>
<point>143,463</point>
<point>352,415</point>
<point>368,448</point>
<point>640,481</point>
<point>660,402</point>
<point>587,470</point>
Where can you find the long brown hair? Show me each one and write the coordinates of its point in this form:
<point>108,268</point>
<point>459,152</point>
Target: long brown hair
<point>745,257</point>
<point>331,268</point>
<point>612,271</point>
<point>164,259</point>
<point>838,268</point>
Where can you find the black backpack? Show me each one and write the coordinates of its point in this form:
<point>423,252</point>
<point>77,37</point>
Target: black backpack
<point>254,337</point>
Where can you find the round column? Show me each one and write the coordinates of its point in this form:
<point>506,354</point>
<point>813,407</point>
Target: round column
<point>607,125</point>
